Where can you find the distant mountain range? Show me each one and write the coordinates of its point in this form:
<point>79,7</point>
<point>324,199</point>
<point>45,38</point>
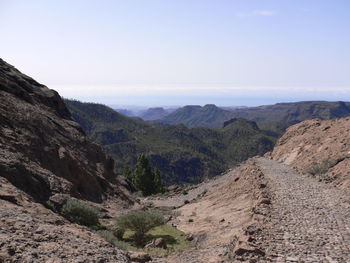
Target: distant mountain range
<point>155,113</point>
<point>275,118</point>
<point>149,114</point>
<point>184,155</point>
<point>209,116</point>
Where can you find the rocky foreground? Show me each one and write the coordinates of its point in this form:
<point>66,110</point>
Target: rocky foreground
<point>31,233</point>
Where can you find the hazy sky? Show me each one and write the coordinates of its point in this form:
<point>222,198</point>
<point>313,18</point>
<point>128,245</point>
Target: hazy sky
<point>175,52</point>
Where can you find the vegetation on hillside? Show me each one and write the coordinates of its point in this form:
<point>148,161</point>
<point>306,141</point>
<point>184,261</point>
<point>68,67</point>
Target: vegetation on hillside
<point>209,116</point>
<point>80,213</point>
<point>182,155</point>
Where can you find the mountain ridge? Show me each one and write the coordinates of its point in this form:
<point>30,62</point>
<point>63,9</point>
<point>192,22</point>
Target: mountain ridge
<point>274,118</point>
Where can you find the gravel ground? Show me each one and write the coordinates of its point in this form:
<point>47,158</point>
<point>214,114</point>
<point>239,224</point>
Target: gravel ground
<point>310,221</point>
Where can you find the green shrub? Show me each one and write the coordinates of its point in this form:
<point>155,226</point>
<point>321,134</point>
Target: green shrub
<point>320,168</point>
<point>140,222</point>
<point>80,213</point>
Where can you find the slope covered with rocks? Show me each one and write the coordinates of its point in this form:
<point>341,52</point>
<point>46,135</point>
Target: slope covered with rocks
<point>44,155</point>
<point>318,147</point>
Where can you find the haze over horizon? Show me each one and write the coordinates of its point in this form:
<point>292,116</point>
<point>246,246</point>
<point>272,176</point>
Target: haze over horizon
<point>163,52</point>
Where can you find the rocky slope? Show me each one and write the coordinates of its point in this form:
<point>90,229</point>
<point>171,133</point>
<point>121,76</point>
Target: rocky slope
<point>44,154</point>
<point>321,148</point>
<point>31,233</point>
<point>43,151</point>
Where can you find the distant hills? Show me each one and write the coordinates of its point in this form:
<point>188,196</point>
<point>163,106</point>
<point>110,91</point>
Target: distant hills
<point>148,114</point>
<point>155,113</point>
<point>274,118</point>
<point>184,155</point>
<point>209,116</point>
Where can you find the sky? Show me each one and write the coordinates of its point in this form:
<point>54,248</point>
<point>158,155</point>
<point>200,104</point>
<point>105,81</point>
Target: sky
<point>178,52</point>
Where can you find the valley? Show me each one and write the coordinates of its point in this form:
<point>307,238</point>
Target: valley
<point>255,200</point>
<point>169,131</point>
<point>183,155</point>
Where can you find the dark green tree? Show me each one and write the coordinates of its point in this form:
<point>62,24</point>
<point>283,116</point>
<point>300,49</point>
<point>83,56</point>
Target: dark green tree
<point>144,178</point>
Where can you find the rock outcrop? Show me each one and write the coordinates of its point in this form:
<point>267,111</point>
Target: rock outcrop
<point>42,150</point>
<point>321,148</point>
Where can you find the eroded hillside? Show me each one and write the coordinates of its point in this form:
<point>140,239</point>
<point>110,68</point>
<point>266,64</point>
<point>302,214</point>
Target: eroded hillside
<point>321,148</point>
<point>45,156</point>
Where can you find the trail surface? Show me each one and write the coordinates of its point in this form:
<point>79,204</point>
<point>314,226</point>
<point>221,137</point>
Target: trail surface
<point>307,221</point>
<point>310,220</point>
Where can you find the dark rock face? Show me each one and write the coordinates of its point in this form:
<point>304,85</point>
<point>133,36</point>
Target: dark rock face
<point>42,150</point>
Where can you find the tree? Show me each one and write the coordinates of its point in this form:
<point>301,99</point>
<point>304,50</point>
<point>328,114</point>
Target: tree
<point>144,178</point>
<point>140,222</point>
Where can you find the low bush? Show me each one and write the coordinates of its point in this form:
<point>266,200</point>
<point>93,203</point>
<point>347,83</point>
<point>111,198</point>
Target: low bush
<point>320,168</point>
<point>80,213</point>
<point>140,222</point>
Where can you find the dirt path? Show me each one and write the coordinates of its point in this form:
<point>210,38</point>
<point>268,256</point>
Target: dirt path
<point>310,221</point>
<point>214,219</point>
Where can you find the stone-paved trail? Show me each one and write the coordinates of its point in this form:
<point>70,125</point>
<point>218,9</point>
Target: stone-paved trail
<point>310,221</point>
